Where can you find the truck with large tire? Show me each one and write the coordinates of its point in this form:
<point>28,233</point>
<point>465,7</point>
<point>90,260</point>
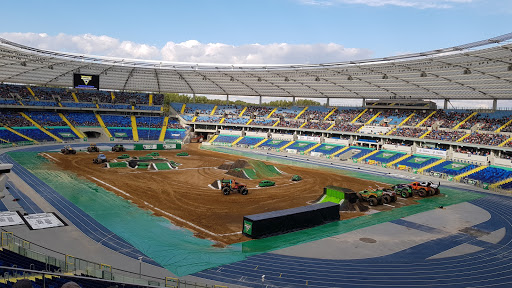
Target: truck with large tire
<point>100,159</point>
<point>68,150</point>
<point>93,148</point>
<point>377,197</point>
<point>118,148</point>
<point>422,189</point>
<point>229,186</point>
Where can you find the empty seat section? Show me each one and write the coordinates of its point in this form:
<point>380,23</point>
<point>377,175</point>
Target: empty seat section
<point>10,136</point>
<point>385,156</point>
<point>328,149</point>
<point>176,134</point>
<point>301,146</point>
<point>248,140</point>
<point>177,107</point>
<point>452,168</point>
<point>149,127</point>
<point>274,143</point>
<point>491,174</point>
<point>226,139</point>
<point>417,161</point>
<point>34,133</point>
<point>78,105</point>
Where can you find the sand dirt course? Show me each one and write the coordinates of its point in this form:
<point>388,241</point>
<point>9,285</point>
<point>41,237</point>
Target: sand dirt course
<point>184,197</point>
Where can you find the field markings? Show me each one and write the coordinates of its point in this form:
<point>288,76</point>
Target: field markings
<point>48,155</point>
<point>388,205</point>
<point>115,188</point>
<point>166,213</point>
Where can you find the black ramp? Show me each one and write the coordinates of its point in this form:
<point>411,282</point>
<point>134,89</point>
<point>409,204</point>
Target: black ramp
<point>288,220</point>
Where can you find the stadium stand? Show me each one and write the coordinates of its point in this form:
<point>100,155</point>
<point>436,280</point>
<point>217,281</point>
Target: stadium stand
<point>250,141</point>
<point>452,168</point>
<point>491,174</point>
<point>226,139</point>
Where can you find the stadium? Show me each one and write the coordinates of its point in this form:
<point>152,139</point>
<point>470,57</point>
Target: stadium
<point>153,211</point>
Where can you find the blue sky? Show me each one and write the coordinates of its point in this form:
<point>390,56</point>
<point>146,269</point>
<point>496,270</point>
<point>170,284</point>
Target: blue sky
<point>287,31</point>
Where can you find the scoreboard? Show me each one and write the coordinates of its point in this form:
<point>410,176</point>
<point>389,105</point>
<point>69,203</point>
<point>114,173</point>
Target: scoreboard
<point>85,81</point>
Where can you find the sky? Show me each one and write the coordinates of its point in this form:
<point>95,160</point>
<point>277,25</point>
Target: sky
<point>253,32</point>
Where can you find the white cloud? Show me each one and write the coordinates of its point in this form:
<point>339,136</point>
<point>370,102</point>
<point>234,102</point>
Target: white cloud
<point>421,4</point>
<point>192,50</point>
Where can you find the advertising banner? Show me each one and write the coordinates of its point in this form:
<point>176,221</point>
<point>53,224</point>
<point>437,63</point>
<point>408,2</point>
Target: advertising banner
<point>432,152</point>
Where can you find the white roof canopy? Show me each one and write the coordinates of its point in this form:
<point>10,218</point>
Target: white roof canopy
<point>460,72</point>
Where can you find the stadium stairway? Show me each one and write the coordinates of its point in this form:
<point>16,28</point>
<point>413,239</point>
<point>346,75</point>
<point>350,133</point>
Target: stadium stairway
<point>502,182</point>
<point>150,100</point>
<point>6,142</point>
<point>426,118</point>
<point>503,126</point>
<point>194,119</point>
<point>373,118</point>
<point>183,108</point>
<point>237,140</point>
<point>288,144</point>
<point>312,148</point>
<point>74,97</point>
<point>340,151</point>
<point>368,155</point>
<point>19,134</point>
<point>261,142</point>
<point>424,135</point>
<point>80,135</point>
<point>213,110</point>
<point>505,142</point>
<point>243,111</point>
<point>164,129</point>
<point>465,120</point>
<point>275,124</point>
<point>32,93</point>
<point>222,120</point>
<point>248,122</point>
<point>358,116</point>
<point>304,124</point>
<point>330,127</point>
<point>398,160</point>
<point>40,127</point>
<point>213,138</point>
<point>134,129</point>
<point>301,112</point>
<point>458,177</point>
<point>431,165</point>
<point>272,112</point>
<point>391,131</point>
<point>330,113</point>
<point>102,124</point>
<point>463,137</point>
<point>406,119</point>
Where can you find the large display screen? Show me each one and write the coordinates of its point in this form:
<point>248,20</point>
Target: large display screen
<point>84,81</point>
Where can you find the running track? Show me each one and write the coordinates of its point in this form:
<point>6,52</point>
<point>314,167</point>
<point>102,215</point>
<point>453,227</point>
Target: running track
<point>85,223</point>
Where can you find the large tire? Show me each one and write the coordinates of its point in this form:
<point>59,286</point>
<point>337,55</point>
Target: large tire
<point>393,198</point>
<point>437,191</point>
<point>386,199</point>
<point>359,196</point>
<point>373,202</point>
<point>404,193</point>
<point>244,191</point>
<point>226,191</point>
<point>422,193</point>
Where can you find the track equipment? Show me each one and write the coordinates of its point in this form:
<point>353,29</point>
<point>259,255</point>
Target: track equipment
<point>93,148</point>
<point>118,148</point>
<point>422,189</point>
<point>100,159</point>
<point>296,178</point>
<point>229,186</point>
<point>266,183</point>
<point>68,150</point>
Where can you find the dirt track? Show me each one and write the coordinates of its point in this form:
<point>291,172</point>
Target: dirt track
<point>185,192</point>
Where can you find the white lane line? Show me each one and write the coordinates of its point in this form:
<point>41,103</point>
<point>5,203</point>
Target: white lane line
<point>191,224</point>
<point>117,189</point>
<point>47,155</point>
<point>166,213</point>
<point>388,205</point>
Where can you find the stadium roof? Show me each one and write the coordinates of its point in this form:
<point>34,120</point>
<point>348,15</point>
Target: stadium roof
<point>479,70</point>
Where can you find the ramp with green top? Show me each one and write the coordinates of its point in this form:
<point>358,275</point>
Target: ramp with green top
<point>162,166</point>
<point>263,170</point>
<point>117,164</point>
<point>332,194</point>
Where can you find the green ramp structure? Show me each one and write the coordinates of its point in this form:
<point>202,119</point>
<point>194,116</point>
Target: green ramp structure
<point>261,170</point>
<point>347,198</point>
<point>117,164</point>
